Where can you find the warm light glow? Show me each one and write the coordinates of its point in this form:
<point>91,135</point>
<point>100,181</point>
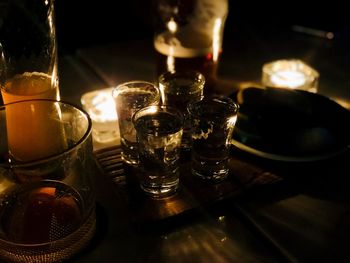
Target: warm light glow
<point>232,120</point>
<point>293,74</point>
<point>152,110</point>
<point>170,61</point>
<point>162,92</point>
<point>288,78</point>
<point>172,26</point>
<point>343,102</point>
<point>217,38</point>
<point>101,107</point>
<point>5,184</point>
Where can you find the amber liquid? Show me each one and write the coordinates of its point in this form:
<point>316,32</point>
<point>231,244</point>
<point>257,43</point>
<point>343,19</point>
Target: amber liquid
<point>44,222</point>
<point>199,58</point>
<point>34,130</point>
<point>203,64</point>
<point>41,214</point>
<point>29,86</point>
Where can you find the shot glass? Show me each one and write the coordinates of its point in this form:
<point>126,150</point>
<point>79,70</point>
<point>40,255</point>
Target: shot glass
<point>130,97</point>
<point>212,123</point>
<point>159,132</point>
<point>178,90</point>
<point>47,200</point>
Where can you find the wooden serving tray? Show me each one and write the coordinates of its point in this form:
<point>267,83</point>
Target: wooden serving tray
<point>192,194</point>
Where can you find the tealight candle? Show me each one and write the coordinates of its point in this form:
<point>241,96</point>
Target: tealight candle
<point>293,74</point>
<point>101,107</point>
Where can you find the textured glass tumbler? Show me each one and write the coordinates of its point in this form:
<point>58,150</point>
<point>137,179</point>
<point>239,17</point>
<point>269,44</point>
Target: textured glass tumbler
<point>212,123</point>
<point>47,200</point>
<point>178,90</point>
<point>159,132</point>
<point>129,98</point>
<point>28,50</point>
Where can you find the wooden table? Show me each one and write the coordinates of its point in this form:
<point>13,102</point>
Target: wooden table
<point>304,219</point>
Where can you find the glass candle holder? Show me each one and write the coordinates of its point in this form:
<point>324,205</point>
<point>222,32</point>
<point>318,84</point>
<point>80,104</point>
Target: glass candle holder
<point>101,107</point>
<point>292,73</point>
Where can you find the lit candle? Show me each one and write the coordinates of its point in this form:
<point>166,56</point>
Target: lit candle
<point>101,107</point>
<point>293,74</point>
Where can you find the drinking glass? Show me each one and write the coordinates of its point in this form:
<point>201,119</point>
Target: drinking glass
<point>188,35</point>
<point>159,132</point>
<point>28,50</point>
<point>178,90</point>
<point>212,123</point>
<point>130,97</point>
<point>47,200</point>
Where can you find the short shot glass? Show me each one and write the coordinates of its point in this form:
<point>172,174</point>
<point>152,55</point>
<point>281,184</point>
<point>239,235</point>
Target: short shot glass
<point>212,123</point>
<point>159,132</point>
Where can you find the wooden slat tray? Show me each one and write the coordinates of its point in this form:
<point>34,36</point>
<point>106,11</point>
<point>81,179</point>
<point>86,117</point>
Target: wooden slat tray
<point>193,193</point>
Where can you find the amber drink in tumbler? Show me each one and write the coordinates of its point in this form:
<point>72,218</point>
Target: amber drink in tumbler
<point>47,199</point>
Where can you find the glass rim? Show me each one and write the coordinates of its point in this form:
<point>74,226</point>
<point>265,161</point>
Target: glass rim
<point>215,98</point>
<point>154,109</point>
<point>133,84</point>
<point>70,149</point>
<point>199,77</point>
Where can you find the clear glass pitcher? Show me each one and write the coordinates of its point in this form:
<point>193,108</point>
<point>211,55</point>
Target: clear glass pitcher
<point>28,50</point>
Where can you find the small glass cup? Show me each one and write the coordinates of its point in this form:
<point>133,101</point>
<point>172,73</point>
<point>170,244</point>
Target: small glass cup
<point>130,97</point>
<point>212,123</point>
<point>47,200</point>
<point>159,132</point>
<point>28,50</point>
<point>178,90</point>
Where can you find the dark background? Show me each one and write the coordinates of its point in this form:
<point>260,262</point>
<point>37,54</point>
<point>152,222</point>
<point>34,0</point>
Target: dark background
<point>86,23</point>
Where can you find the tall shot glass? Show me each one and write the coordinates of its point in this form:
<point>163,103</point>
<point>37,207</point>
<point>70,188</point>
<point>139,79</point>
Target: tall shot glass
<point>130,97</point>
<point>179,89</point>
<point>159,132</point>
<point>212,123</point>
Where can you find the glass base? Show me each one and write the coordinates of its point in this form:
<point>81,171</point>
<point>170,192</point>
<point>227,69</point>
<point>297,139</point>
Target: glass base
<point>213,177</point>
<point>160,191</point>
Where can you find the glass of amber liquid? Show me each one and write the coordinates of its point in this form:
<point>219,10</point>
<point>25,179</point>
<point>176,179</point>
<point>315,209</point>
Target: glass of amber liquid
<point>188,35</point>
<point>47,200</point>
<point>28,51</point>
